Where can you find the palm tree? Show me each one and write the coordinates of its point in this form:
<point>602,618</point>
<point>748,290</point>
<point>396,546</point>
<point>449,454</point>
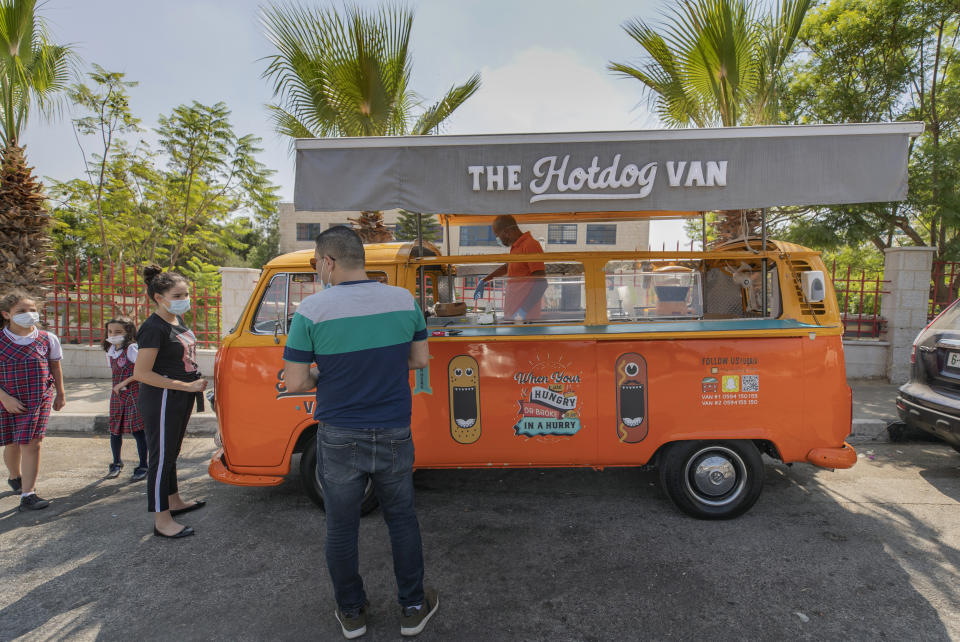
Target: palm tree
<point>717,62</point>
<point>348,74</point>
<point>33,73</point>
<point>33,70</point>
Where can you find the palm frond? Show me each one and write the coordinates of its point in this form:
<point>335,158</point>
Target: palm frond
<point>429,121</point>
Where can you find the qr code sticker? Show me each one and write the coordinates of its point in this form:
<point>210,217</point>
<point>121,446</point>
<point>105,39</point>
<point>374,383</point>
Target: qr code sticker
<point>750,383</point>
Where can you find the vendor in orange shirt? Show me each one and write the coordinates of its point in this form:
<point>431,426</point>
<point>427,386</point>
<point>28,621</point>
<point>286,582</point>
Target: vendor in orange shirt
<point>525,285</point>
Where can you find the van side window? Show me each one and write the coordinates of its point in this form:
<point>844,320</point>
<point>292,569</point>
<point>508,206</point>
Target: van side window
<point>558,297</point>
<point>653,291</point>
<point>302,285</point>
<point>272,307</point>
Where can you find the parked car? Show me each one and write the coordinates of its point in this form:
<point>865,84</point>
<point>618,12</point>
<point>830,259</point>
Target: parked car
<point>930,401</point>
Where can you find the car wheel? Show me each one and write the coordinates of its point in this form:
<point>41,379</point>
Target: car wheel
<point>712,479</point>
<point>313,488</point>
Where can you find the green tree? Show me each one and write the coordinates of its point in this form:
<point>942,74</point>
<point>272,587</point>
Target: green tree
<point>717,62</point>
<point>107,115</point>
<point>407,227</point>
<point>202,197</point>
<point>347,73</point>
<point>886,60</point>
<point>33,72</point>
<point>211,172</point>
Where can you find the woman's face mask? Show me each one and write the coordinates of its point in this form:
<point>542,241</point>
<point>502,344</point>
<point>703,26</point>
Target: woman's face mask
<point>178,306</point>
<point>26,319</point>
<point>116,339</point>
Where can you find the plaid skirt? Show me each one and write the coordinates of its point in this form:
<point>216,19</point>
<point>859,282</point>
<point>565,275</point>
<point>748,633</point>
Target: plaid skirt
<point>25,375</point>
<point>124,414</point>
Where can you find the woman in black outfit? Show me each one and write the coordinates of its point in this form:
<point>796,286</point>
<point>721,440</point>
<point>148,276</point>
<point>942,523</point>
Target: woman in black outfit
<point>170,381</point>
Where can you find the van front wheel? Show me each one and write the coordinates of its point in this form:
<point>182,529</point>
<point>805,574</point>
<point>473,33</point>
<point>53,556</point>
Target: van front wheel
<point>712,479</point>
<point>311,481</point>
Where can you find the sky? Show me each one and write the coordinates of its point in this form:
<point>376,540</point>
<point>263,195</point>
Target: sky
<point>542,65</point>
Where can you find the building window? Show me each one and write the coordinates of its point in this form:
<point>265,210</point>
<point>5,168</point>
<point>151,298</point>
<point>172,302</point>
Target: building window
<point>308,231</point>
<point>477,235</point>
<point>602,234</point>
<point>562,233</point>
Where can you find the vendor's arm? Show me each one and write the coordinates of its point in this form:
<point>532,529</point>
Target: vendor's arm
<point>496,274</point>
<point>143,372</point>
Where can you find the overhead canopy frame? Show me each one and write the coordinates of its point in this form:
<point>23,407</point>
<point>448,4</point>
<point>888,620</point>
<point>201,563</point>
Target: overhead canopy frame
<point>657,172</point>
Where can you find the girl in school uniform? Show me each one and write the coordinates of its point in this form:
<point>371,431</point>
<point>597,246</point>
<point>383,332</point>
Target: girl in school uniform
<point>166,368</point>
<point>120,344</point>
<point>31,382</point>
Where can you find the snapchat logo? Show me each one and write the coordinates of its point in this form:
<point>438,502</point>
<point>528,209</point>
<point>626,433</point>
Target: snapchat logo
<point>731,383</point>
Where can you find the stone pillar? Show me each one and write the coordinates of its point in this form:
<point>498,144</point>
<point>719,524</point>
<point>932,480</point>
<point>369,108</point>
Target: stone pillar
<point>908,271</point>
<point>237,284</point>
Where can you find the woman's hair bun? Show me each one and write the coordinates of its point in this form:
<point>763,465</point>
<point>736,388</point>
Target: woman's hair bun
<point>150,272</point>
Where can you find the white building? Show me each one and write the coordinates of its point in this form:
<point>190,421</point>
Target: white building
<point>299,229</point>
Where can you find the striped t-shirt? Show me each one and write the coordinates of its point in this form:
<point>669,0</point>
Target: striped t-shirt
<point>359,335</point>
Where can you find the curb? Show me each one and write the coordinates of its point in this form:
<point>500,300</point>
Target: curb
<point>867,430</point>
<point>86,423</point>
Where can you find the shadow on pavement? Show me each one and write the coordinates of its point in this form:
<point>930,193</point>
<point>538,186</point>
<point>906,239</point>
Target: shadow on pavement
<point>555,554</point>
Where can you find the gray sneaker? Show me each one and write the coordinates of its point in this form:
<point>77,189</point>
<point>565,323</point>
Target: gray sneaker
<point>353,626</point>
<point>413,619</point>
<point>33,502</point>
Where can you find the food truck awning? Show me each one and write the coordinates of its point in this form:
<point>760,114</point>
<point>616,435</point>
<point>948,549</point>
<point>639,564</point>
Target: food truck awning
<point>679,170</point>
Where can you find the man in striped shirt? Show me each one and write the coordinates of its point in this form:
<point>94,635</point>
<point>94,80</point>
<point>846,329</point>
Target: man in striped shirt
<point>364,337</point>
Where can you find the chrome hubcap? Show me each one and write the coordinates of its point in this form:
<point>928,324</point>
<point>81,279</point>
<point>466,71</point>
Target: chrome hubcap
<point>715,476</point>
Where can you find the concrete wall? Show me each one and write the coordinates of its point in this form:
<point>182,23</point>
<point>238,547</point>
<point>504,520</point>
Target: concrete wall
<point>90,362</point>
<point>236,286</point>
<point>865,359</point>
<point>905,306</point>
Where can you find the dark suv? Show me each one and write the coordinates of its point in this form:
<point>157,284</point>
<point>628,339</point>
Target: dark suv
<point>931,399</point>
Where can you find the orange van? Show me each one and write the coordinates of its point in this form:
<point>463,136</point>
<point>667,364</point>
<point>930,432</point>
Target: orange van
<point>675,358</point>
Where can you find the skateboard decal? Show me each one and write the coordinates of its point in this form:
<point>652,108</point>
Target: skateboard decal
<point>464,383</point>
<point>630,373</point>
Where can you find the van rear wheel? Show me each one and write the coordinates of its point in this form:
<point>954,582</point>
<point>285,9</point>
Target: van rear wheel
<point>311,481</point>
<point>712,479</point>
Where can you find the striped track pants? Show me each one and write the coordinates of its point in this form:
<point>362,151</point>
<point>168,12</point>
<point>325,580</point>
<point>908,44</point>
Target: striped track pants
<point>165,415</point>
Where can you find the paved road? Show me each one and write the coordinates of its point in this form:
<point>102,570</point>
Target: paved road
<point>869,553</point>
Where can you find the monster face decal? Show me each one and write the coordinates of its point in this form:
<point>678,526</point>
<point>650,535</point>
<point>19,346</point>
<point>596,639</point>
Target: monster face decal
<point>464,382</point>
<point>630,374</point>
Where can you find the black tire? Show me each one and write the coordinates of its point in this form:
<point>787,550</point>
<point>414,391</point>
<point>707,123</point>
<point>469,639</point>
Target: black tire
<point>712,479</point>
<point>311,482</point>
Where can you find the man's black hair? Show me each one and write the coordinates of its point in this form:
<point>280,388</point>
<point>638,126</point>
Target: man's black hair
<point>343,245</point>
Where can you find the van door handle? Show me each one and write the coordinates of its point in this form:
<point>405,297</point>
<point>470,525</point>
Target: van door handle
<point>949,343</point>
<point>928,348</point>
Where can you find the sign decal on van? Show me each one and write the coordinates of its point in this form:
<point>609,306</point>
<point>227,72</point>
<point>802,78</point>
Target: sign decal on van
<point>733,381</point>
<point>548,400</point>
<point>463,376</point>
<point>633,421</point>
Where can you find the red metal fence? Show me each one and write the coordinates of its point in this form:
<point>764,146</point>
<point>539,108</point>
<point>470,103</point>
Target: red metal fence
<point>858,296</point>
<point>83,296</point>
<point>945,282</point>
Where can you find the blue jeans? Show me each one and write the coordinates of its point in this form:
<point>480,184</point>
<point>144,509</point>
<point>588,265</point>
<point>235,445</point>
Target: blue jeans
<point>346,459</point>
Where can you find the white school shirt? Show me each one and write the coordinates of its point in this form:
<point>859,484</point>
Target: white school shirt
<point>113,353</point>
<point>56,351</point>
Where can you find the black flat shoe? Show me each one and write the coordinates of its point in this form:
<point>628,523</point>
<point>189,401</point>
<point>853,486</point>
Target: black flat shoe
<point>194,506</point>
<point>186,531</point>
